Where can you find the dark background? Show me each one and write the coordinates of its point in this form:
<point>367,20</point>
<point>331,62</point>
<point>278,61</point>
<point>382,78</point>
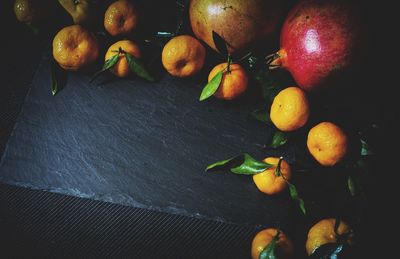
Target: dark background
<point>51,228</point>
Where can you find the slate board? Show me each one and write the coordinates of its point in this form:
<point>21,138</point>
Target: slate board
<point>140,144</point>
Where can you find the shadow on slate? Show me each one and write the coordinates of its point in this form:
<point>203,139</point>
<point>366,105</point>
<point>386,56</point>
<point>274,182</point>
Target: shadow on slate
<point>140,144</point>
<point>45,225</point>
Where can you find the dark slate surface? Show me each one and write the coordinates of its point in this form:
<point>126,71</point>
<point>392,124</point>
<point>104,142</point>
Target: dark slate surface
<point>139,144</point>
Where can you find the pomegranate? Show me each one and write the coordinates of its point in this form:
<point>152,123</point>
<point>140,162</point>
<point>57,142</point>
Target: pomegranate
<point>318,41</point>
<point>241,23</point>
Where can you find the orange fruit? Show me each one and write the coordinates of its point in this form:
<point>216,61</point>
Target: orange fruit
<point>241,23</point>
<point>268,182</point>
<point>121,18</point>
<point>327,143</point>
<point>323,232</point>
<point>29,10</point>
<point>121,68</point>
<point>183,56</point>
<point>233,83</point>
<point>74,47</point>
<point>290,109</point>
<point>284,247</point>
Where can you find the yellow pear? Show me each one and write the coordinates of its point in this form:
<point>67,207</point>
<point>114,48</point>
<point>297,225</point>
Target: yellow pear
<point>80,10</point>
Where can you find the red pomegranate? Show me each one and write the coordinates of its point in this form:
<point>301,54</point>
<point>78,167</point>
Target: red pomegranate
<point>241,23</point>
<point>318,41</point>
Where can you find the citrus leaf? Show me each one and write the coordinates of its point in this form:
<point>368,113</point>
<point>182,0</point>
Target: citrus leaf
<point>331,251</point>
<point>137,67</point>
<point>164,34</point>
<point>220,44</point>
<point>279,139</point>
<point>33,28</point>
<point>211,87</point>
<point>58,78</point>
<point>272,83</point>
<point>365,149</point>
<point>295,196</point>
<point>250,166</point>
<point>241,164</point>
<point>107,65</point>
<point>269,251</point>
<point>224,164</point>
<point>261,115</point>
<point>54,81</point>
<point>351,185</point>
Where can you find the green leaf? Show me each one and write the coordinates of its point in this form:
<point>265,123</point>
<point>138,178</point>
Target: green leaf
<point>295,196</point>
<point>250,166</point>
<point>241,164</point>
<point>33,28</point>
<point>54,81</point>
<point>212,86</point>
<point>279,139</point>
<point>331,251</point>
<point>365,149</point>
<point>269,251</point>
<point>224,164</point>
<point>58,78</point>
<point>351,185</point>
<point>272,83</point>
<point>138,68</point>
<point>107,65</point>
<point>261,115</point>
<point>220,44</point>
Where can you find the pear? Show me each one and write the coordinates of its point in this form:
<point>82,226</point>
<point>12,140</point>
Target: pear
<point>29,11</point>
<point>80,10</point>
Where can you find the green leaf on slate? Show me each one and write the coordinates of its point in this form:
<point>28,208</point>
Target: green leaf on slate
<point>329,251</point>
<point>261,115</point>
<point>279,139</point>
<point>107,65</point>
<point>250,166</point>
<point>351,185</point>
<point>295,196</point>
<point>58,77</point>
<point>137,67</point>
<point>33,28</point>
<point>365,149</point>
<point>269,251</point>
<point>223,164</point>
<point>54,81</point>
<point>242,164</point>
<point>212,86</point>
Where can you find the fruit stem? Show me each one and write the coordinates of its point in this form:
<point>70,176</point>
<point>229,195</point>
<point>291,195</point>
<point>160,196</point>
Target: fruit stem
<point>275,60</point>
<point>278,167</point>
<point>244,57</point>
<point>228,68</point>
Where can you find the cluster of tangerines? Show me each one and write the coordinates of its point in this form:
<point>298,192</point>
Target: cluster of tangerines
<point>75,48</point>
<point>327,143</point>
